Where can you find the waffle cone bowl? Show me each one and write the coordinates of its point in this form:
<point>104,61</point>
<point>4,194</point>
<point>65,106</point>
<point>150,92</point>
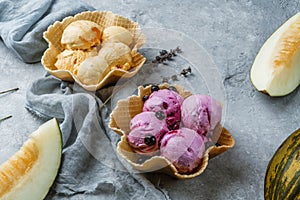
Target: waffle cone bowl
<point>126,109</point>
<point>104,19</point>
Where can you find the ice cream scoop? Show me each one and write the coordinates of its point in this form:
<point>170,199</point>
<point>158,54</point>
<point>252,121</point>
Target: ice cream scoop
<point>117,55</point>
<point>92,70</point>
<point>168,104</point>
<point>117,34</point>
<point>201,113</point>
<point>81,34</point>
<point>184,148</point>
<point>146,131</point>
<point>70,59</point>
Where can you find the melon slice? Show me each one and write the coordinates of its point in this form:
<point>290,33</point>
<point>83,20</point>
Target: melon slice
<point>29,173</point>
<point>276,69</point>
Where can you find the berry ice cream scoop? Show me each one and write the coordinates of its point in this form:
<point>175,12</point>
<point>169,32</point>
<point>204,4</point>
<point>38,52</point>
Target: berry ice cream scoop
<point>184,148</point>
<point>165,103</point>
<point>201,113</point>
<point>146,132</point>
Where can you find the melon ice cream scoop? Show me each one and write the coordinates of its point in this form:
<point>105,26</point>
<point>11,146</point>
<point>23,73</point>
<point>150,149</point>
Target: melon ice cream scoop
<point>81,34</point>
<point>146,131</point>
<point>71,59</point>
<point>117,34</point>
<point>184,148</point>
<point>167,103</point>
<point>201,113</point>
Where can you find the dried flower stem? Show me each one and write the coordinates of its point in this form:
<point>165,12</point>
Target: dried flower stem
<point>164,55</point>
<point>10,90</point>
<point>184,73</point>
<point>5,118</point>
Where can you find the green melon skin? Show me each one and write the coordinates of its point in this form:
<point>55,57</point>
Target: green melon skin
<point>282,180</point>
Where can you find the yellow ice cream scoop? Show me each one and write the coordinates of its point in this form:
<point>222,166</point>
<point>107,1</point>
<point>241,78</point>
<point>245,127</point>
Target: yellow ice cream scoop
<point>71,59</point>
<point>92,70</point>
<point>117,55</point>
<point>117,34</point>
<point>81,34</point>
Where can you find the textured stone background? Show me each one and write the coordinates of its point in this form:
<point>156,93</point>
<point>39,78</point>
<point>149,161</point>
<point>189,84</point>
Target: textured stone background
<point>232,32</point>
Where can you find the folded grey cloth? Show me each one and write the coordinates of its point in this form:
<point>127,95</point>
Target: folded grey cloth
<point>22,23</point>
<point>90,167</point>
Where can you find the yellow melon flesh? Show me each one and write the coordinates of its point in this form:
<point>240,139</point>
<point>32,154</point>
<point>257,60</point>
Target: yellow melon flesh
<point>276,69</point>
<point>31,171</point>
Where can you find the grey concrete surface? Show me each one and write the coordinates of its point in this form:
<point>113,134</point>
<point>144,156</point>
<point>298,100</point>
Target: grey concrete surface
<point>232,32</point>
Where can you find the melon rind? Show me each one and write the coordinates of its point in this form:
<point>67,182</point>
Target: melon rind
<point>282,179</point>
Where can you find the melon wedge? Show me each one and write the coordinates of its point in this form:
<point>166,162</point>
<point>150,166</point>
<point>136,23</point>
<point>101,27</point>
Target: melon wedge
<point>29,173</point>
<point>276,68</point>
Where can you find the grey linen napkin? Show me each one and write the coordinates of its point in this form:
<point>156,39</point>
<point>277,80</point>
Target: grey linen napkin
<point>90,166</point>
<point>22,23</point>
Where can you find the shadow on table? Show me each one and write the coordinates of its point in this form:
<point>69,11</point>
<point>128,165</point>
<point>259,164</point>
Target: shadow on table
<point>228,176</point>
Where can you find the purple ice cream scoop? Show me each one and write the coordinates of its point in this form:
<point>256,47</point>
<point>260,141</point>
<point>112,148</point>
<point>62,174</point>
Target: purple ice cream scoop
<point>184,148</point>
<point>166,103</point>
<point>201,113</point>
<point>146,131</point>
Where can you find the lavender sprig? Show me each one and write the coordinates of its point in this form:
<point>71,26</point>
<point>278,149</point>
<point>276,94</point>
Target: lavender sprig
<point>165,55</point>
<point>184,73</point>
